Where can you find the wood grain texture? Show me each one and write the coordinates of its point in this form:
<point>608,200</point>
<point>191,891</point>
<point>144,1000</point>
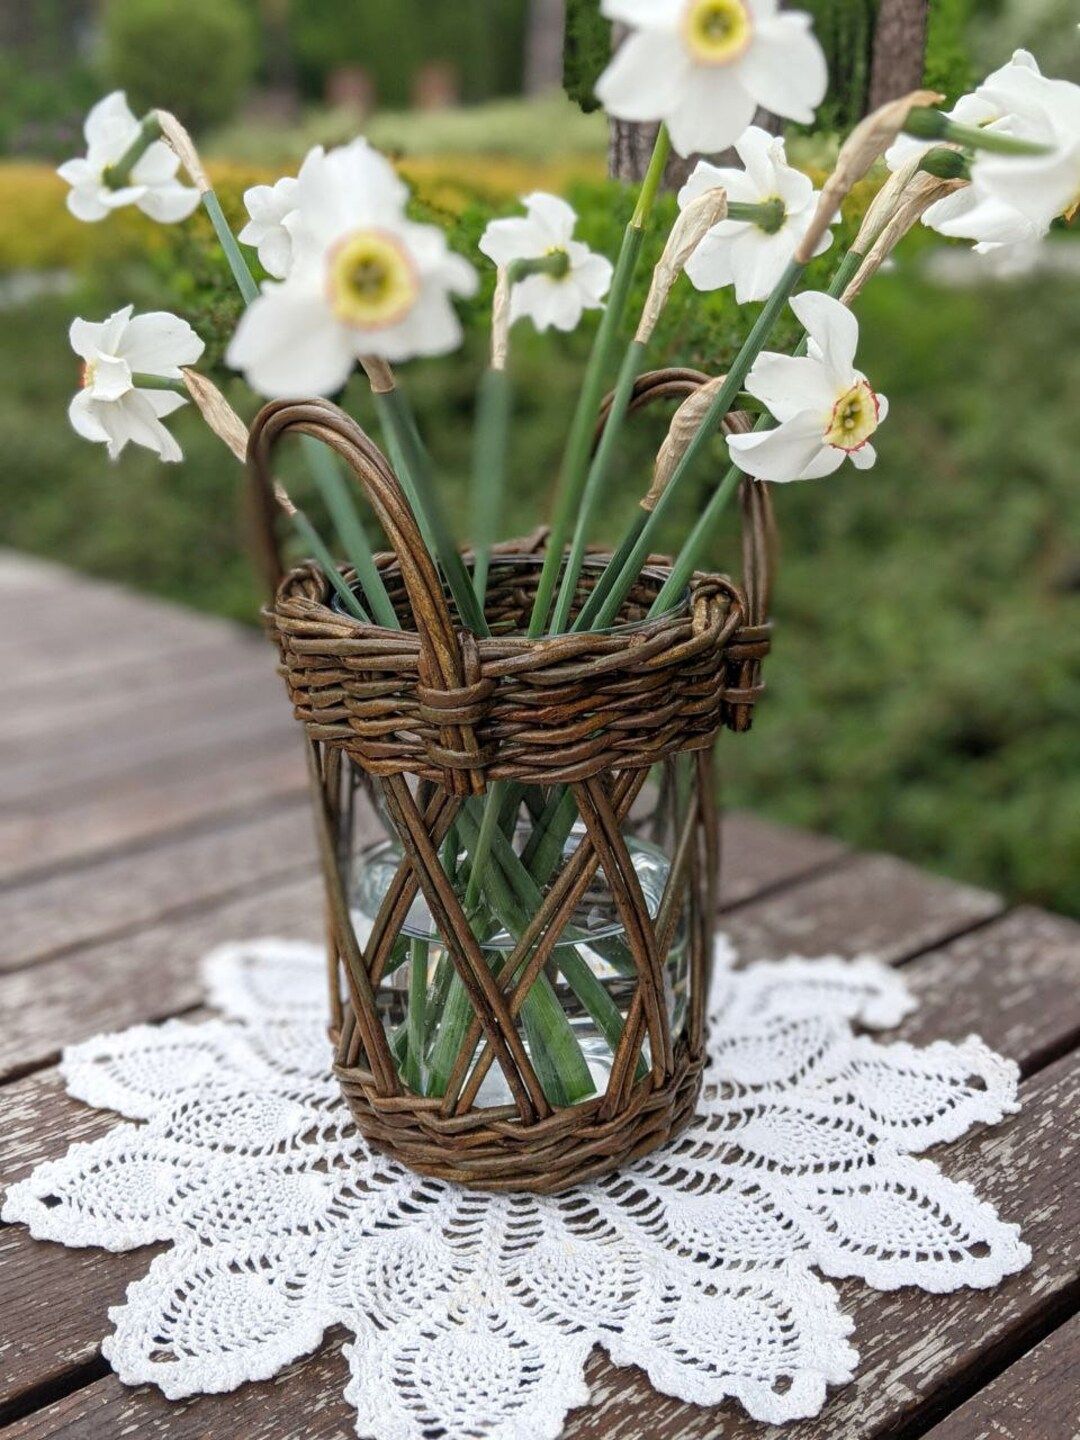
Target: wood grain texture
<point>913,1347</point>
<point>1037,1398</point>
<point>37,1120</point>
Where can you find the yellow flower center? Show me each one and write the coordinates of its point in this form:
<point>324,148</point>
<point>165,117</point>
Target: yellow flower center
<point>371,280</point>
<point>717,31</point>
<point>854,418</point>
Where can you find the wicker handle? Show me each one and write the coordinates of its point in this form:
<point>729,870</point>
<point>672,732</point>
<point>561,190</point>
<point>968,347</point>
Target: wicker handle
<point>759,529</point>
<point>442,666</point>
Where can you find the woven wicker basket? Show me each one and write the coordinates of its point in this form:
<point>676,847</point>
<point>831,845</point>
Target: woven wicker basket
<point>430,715</point>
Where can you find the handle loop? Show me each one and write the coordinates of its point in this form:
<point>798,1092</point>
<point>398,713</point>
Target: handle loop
<point>442,669</point>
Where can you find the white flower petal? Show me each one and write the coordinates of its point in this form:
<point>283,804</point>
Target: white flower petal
<point>110,123</point>
<point>833,329</point>
<point>289,343</point>
<point>591,275</point>
<point>549,303</point>
<point>784,68</point>
<point>163,402</point>
<point>864,457</point>
<point>158,165</point>
<point>85,421</point>
<point>755,149</point>
<point>169,203</point>
<point>883,407</point>
<point>790,385</point>
<point>709,268</point>
<point>514,238</point>
<point>432,328</point>
<point>758,260</point>
<point>159,343</point>
<point>111,378</point>
<point>783,454</point>
<point>141,426</point>
<point>710,114</point>
<point>646,77</point>
<point>553,215</point>
<point>643,14</point>
<point>86,204</point>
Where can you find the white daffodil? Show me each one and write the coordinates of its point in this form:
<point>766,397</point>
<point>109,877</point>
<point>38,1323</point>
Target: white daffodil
<point>269,206</point>
<point>112,407</point>
<point>971,213</point>
<point>363,280</point>
<point>1039,187</point>
<point>704,67</point>
<point>152,186</point>
<point>547,228</point>
<point>827,410</point>
<point>751,254</point>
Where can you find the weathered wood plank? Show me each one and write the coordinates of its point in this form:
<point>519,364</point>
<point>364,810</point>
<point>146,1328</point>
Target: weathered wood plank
<point>38,1121</point>
<point>152,802</point>
<point>913,1346</point>
<point>1037,1398</point>
<point>871,903</point>
<point>47,916</point>
<point>143,977</point>
<point>756,856</point>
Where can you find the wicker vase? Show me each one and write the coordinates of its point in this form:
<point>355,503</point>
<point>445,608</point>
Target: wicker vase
<point>429,718</point>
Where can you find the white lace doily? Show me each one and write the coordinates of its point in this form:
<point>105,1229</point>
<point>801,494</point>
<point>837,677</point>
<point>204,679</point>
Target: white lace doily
<point>474,1315</point>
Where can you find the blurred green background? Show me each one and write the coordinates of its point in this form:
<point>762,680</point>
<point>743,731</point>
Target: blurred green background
<point>925,685</point>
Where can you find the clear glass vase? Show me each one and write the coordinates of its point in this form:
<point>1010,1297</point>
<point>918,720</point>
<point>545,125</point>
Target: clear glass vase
<point>573,1016</point>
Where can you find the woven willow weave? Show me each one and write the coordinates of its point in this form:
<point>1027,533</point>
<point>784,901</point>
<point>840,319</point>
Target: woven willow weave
<point>431,715</point>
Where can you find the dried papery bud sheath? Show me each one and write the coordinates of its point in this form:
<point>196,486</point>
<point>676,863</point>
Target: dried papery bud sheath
<point>691,227</point>
<point>281,495</point>
<point>500,320</point>
<point>685,424</point>
<point>881,208</point>
<point>869,140</point>
<point>218,413</point>
<point>921,193</point>
<point>182,144</point>
<point>380,375</point>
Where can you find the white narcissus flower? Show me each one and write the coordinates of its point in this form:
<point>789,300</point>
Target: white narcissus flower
<point>826,408</point>
<point>111,407</point>
<point>269,206</point>
<point>1039,187</point>
<point>741,252</point>
<point>970,213</point>
<point>547,228</point>
<point>152,186</point>
<point>363,280</point>
<point>704,67</point>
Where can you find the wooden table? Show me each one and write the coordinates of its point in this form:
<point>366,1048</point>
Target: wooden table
<point>152,805</point>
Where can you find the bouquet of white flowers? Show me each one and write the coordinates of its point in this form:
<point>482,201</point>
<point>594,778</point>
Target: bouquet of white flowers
<point>519,950</point>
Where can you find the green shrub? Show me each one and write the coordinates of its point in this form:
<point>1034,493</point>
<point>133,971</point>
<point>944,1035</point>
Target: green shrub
<point>194,57</point>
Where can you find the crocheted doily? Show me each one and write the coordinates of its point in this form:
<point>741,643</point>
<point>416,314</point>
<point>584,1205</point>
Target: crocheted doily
<point>474,1315</point>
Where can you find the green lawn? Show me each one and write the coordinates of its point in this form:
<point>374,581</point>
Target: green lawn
<point>925,686</point>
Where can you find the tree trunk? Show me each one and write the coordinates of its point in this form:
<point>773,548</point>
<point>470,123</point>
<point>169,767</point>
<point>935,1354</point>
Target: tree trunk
<point>544,46</point>
<point>899,49</point>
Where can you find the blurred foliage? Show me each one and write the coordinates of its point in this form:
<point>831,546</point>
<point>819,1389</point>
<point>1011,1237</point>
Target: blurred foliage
<point>949,67</point>
<point>846,31</point>
<point>547,131</point>
<point>1045,27</point>
<point>586,50</point>
<point>483,38</point>
<point>926,675</point>
<point>194,58</point>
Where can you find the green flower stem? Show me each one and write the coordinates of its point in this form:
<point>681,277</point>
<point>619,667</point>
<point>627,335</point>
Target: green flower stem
<point>767,215</point>
<point>159,382</point>
<point>118,175</point>
<point>689,557</point>
<point>245,281</point>
<point>594,484</point>
<point>579,443</point>
<point>354,542</point>
<point>415,1023</point>
<point>607,609</point>
<point>413,467</point>
<point>313,541</point>
<point>928,124</point>
<point>489,471</point>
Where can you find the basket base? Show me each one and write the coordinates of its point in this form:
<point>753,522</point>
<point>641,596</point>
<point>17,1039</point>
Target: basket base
<point>491,1150</point>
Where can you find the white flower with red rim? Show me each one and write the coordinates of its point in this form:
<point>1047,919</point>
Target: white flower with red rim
<point>826,408</point>
<point>547,229</point>
<point>705,66</point>
<point>112,407</point>
<point>749,254</point>
<point>152,186</point>
<point>971,213</point>
<point>363,280</point>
